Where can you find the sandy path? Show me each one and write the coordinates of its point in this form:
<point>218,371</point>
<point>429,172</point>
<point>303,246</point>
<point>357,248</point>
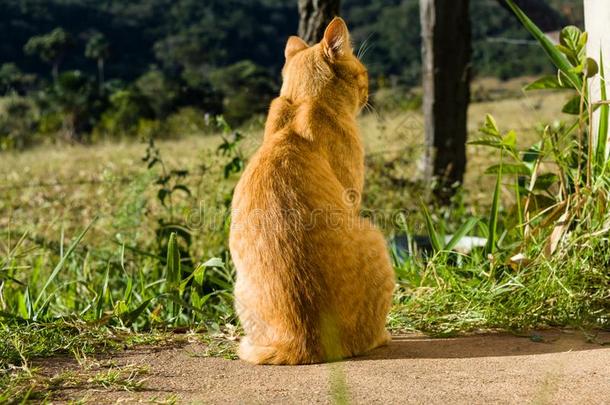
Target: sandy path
<point>554,367</point>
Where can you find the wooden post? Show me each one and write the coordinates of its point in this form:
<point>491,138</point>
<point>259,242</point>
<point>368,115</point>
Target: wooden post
<point>597,24</point>
<point>446,51</point>
<point>314,16</point>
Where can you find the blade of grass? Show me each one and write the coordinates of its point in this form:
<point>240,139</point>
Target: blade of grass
<point>42,309</point>
<point>130,317</point>
<point>28,303</point>
<point>434,238</point>
<point>518,207</point>
<point>102,296</point>
<point>181,303</point>
<point>174,273</point>
<point>493,215</point>
<point>62,261</point>
<point>602,133</point>
<point>460,233</point>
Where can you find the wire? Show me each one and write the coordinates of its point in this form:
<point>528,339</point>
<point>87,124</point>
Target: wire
<point>514,41</point>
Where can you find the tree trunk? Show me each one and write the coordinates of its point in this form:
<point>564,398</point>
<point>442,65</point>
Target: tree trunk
<point>314,16</point>
<point>100,72</point>
<point>55,71</point>
<point>597,18</point>
<point>446,53</point>
<point>69,127</point>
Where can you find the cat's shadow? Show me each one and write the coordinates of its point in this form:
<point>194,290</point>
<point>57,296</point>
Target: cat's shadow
<point>488,345</point>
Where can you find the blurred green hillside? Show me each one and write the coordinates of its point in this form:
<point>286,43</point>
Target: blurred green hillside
<point>131,67</point>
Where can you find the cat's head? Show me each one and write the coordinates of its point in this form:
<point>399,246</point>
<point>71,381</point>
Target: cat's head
<point>328,70</point>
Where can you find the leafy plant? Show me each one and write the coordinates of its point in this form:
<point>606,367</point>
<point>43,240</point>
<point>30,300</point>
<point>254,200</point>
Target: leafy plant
<point>230,147</point>
<point>551,197</point>
<point>170,183</point>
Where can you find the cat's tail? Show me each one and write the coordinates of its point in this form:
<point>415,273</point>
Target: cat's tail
<point>288,353</point>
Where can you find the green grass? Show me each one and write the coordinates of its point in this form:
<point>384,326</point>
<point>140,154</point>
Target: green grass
<point>31,385</point>
<point>442,298</point>
<point>87,265</point>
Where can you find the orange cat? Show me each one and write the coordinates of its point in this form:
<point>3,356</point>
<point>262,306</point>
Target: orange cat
<point>314,280</point>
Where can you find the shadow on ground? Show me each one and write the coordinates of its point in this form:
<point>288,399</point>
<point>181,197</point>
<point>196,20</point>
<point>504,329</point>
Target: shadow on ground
<point>489,345</point>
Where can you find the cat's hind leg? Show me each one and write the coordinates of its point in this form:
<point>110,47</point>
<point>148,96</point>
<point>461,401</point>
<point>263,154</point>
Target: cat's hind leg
<point>275,354</point>
<point>256,354</point>
<point>378,274</point>
<point>382,340</point>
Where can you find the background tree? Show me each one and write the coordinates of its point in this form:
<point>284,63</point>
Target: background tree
<point>159,91</point>
<point>446,51</point>
<point>98,49</point>
<point>12,79</point>
<point>50,47</point>
<point>18,121</point>
<point>246,90</point>
<point>72,97</point>
<point>314,16</point>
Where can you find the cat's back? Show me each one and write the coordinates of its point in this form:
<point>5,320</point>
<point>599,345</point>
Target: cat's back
<point>282,172</point>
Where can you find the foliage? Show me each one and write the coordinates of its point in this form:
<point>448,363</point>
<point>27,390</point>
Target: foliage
<point>171,233</point>
<point>12,79</point>
<point>117,282</point>
<point>126,108</point>
<point>18,120</point>
<point>50,47</point>
<point>72,97</point>
<point>159,92</point>
<point>97,47</point>
<point>221,57</point>
<point>189,121</point>
<point>194,36</point>
<point>246,88</point>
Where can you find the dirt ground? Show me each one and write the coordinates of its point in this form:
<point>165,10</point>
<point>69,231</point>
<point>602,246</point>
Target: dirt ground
<point>550,367</point>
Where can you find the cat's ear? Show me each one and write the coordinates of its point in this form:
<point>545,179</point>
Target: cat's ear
<point>294,45</point>
<point>336,39</point>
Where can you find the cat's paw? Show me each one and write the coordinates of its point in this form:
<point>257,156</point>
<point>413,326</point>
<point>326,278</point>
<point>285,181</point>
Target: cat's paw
<point>383,340</point>
<point>254,354</point>
<point>386,338</point>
